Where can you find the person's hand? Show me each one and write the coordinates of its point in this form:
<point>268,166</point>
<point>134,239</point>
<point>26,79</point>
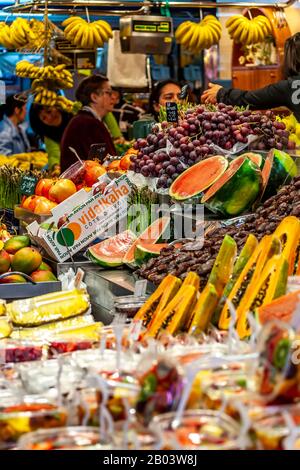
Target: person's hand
<point>209,96</point>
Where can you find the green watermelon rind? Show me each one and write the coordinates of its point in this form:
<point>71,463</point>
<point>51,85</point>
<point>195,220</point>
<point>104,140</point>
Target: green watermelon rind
<point>131,261</point>
<point>178,197</point>
<point>142,254</point>
<point>228,200</point>
<point>283,170</point>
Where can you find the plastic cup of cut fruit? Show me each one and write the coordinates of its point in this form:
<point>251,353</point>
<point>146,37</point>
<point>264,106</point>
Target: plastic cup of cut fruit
<point>197,430</point>
<point>75,172</point>
<point>270,428</point>
<point>28,415</point>
<point>131,435</point>
<point>68,438</point>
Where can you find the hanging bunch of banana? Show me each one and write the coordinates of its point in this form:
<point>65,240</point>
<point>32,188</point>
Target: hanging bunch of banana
<point>198,36</point>
<point>21,33</point>
<point>60,77</point>
<point>85,34</point>
<point>244,31</point>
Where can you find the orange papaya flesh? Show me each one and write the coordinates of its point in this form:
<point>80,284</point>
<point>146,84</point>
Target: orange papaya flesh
<point>223,265</point>
<point>240,263</point>
<point>271,285</point>
<point>204,310</point>
<point>176,319</point>
<point>192,279</point>
<point>288,233</point>
<point>158,300</point>
<point>266,248</point>
<point>281,308</point>
<point>162,319</point>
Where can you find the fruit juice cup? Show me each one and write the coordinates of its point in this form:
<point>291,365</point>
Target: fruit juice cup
<point>197,430</point>
<point>67,438</point>
<point>29,414</point>
<point>131,435</point>
<point>270,428</point>
<point>75,173</point>
<point>21,351</point>
<point>123,392</point>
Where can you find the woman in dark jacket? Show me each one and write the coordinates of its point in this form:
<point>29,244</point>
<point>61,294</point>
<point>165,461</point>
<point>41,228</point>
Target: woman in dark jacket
<point>283,93</point>
<point>87,127</point>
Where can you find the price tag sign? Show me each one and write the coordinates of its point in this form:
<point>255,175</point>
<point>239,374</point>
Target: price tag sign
<point>172,112</point>
<point>28,184</point>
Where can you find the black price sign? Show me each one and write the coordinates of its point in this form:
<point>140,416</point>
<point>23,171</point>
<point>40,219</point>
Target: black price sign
<point>28,184</point>
<point>172,112</point>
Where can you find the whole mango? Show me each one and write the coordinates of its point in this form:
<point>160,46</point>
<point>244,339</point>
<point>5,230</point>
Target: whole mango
<point>13,279</point>
<point>4,261</point>
<point>44,267</point>
<point>15,244</point>
<point>42,276</point>
<point>26,260</point>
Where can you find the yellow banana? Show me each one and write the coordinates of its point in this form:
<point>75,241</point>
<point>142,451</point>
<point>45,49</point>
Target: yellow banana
<point>107,28</point>
<point>71,20</point>
<point>97,36</point>
<point>182,29</point>
<point>188,35</point>
<point>194,38</point>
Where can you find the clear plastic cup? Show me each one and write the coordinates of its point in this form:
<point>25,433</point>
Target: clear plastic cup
<point>197,430</point>
<point>68,438</point>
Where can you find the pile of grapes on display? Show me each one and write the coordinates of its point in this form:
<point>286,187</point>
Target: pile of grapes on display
<point>170,149</point>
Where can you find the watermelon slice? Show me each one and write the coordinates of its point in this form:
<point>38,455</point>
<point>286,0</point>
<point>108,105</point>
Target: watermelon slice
<point>282,308</point>
<point>150,236</point>
<point>110,252</point>
<point>197,178</point>
<point>255,158</point>
<point>236,190</point>
<point>279,169</point>
<point>144,251</point>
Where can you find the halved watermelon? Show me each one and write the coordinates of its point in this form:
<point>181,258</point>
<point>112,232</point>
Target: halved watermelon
<point>198,177</point>
<point>144,251</point>
<point>282,308</point>
<point>150,236</point>
<point>110,252</point>
<point>279,169</point>
<point>236,190</point>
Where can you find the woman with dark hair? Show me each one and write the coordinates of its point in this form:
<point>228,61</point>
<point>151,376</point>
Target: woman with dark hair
<point>87,127</point>
<point>49,124</point>
<point>283,93</point>
<point>13,138</point>
<point>163,92</point>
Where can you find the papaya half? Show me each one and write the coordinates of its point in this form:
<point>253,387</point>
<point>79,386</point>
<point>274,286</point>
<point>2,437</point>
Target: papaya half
<point>204,309</point>
<point>288,232</point>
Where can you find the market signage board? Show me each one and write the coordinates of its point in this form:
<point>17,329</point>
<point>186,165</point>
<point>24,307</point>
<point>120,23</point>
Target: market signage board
<point>87,221</point>
<point>28,184</point>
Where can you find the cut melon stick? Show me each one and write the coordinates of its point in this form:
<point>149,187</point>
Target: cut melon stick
<point>267,247</point>
<point>288,232</point>
<point>181,313</point>
<point>158,300</point>
<point>159,317</point>
<point>203,310</point>
<point>223,265</point>
<point>242,260</point>
<point>271,285</point>
<point>282,309</point>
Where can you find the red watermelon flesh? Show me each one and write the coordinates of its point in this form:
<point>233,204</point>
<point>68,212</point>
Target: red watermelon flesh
<point>150,236</point>
<point>110,252</point>
<point>282,308</point>
<point>198,177</point>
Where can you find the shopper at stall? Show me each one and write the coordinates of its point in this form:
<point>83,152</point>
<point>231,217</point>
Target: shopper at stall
<point>87,127</point>
<point>163,92</point>
<point>13,138</point>
<point>283,93</point>
<point>49,123</point>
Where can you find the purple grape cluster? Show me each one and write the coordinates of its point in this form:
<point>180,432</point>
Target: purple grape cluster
<point>192,139</point>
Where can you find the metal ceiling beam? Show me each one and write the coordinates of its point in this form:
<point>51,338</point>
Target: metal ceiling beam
<point>138,7</point>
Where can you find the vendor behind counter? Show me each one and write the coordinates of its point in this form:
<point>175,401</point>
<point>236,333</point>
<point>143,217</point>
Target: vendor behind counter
<point>13,138</point>
<point>87,128</point>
